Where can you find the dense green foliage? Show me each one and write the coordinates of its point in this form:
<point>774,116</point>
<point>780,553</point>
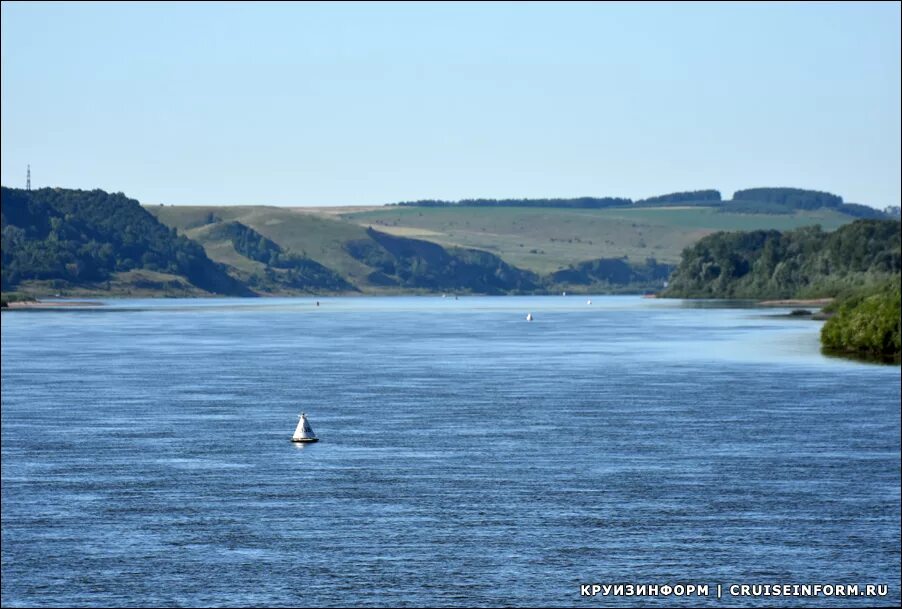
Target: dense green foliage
<point>859,263</point>
<point>284,270</point>
<point>694,196</point>
<point>862,211</point>
<point>247,242</point>
<point>796,198</point>
<point>791,200</point>
<point>801,263</point>
<point>755,207</point>
<point>749,201</point>
<point>867,323</point>
<point>9,297</point>
<point>577,203</point>
<point>304,275</point>
<point>773,207</point>
<point>82,236</point>
<point>614,272</point>
<point>414,263</point>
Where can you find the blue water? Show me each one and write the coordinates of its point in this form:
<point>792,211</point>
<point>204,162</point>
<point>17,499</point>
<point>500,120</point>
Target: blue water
<point>467,457</point>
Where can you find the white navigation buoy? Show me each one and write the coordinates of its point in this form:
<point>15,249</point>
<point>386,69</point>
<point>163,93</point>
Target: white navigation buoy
<point>529,317</point>
<point>303,432</point>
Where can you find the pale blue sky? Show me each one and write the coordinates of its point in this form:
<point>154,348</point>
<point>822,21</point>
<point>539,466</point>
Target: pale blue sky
<point>326,104</point>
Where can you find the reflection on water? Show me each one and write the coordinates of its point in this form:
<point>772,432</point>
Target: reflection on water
<point>467,457</point>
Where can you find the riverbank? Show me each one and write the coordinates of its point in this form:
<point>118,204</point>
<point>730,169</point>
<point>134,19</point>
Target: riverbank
<point>796,302</point>
<point>50,304</point>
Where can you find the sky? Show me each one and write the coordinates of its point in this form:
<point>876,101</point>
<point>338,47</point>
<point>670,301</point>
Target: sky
<point>368,103</point>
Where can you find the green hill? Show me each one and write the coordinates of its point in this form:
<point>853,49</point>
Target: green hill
<point>366,259</point>
<point>97,241</point>
<point>575,248</point>
<point>806,262</point>
<point>313,236</point>
<point>264,265</point>
<point>56,238</point>
<point>546,240</point>
<point>412,263</point>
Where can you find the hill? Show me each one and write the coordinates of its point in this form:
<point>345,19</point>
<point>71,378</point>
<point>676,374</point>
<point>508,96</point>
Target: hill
<point>97,241</point>
<point>264,265</point>
<point>364,258</point>
<point>806,262</point>
<point>58,238</point>
<point>560,248</point>
<point>313,236</point>
<point>412,263</point>
<point>546,240</point>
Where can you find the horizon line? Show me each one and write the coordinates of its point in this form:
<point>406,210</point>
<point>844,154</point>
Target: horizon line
<point>455,201</point>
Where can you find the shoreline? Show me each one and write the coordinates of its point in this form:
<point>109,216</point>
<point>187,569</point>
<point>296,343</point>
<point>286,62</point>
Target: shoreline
<point>51,303</point>
<point>792,302</point>
<point>91,298</point>
<point>44,304</point>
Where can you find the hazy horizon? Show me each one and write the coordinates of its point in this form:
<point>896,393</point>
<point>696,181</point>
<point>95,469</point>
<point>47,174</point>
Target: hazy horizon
<point>367,104</point>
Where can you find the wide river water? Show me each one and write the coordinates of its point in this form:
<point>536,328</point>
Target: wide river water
<point>467,457</point>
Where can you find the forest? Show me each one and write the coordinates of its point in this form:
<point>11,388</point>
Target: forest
<point>281,269</point>
<point>413,263</point>
<point>866,323</point>
<point>83,236</point>
<point>750,201</point>
<point>577,203</point>
<point>858,265</point>
<point>807,262</point>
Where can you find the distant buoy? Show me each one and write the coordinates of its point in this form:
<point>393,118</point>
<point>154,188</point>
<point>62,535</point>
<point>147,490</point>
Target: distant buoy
<point>529,317</point>
<point>563,293</point>
<point>589,301</point>
<point>303,432</point>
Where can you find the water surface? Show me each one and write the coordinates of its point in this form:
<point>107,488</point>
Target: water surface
<point>468,457</point>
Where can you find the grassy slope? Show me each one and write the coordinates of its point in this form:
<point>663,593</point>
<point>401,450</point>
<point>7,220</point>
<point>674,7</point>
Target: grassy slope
<point>561,237</point>
<point>317,236</point>
<point>138,283</point>
<point>222,250</point>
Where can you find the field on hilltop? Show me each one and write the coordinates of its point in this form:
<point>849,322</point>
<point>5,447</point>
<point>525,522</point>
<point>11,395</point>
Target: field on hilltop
<point>544,240</point>
<point>540,240</point>
<point>279,250</point>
